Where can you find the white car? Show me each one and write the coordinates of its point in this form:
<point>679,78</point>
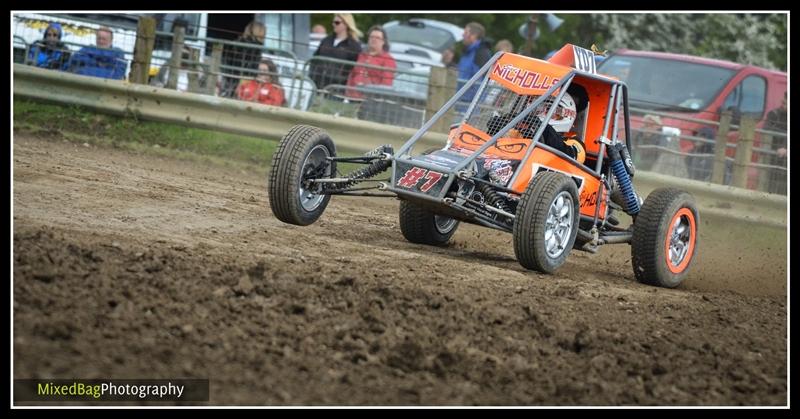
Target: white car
<point>421,41</point>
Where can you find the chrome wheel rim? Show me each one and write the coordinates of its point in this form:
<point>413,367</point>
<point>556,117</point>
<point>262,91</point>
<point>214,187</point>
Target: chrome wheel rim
<point>443,224</point>
<point>318,155</point>
<point>679,240</point>
<point>558,227</point>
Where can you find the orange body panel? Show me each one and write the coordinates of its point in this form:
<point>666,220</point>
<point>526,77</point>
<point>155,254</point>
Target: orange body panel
<point>467,139</point>
<point>598,106</point>
<point>588,193</point>
<point>525,75</point>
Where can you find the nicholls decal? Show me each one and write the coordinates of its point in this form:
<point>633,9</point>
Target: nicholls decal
<point>524,78</point>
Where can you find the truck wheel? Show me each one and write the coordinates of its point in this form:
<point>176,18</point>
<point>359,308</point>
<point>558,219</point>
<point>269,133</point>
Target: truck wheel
<point>301,155</point>
<point>546,222</point>
<point>424,227</point>
<point>664,238</point>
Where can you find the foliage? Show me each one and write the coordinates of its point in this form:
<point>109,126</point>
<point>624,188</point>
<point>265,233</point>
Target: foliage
<point>759,39</point>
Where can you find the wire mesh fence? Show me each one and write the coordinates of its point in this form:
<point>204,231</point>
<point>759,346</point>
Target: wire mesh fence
<point>693,151</point>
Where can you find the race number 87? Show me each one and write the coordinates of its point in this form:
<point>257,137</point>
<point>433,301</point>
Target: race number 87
<point>413,176</point>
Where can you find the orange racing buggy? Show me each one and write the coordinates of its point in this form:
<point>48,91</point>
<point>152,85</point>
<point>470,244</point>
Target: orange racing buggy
<point>538,153</point>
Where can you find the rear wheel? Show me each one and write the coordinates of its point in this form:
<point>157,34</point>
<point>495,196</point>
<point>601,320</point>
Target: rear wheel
<point>419,225</point>
<point>301,156</point>
<point>664,238</point>
<point>547,222</point>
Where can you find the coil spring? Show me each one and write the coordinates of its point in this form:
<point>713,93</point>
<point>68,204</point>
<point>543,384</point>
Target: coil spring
<point>369,171</point>
<point>626,187</point>
<point>491,197</point>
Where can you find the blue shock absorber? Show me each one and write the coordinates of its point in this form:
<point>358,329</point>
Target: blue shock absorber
<point>624,181</point>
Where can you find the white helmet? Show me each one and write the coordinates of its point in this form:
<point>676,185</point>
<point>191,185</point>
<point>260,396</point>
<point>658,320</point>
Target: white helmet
<point>564,116</point>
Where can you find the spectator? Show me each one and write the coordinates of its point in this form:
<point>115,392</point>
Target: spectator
<point>645,141</point>
<point>50,52</point>
<point>241,61</point>
<point>448,57</point>
<point>103,60</point>
<point>342,44</point>
<point>504,45</point>
<point>776,121</point>
<point>476,54</point>
<point>319,29</point>
<point>266,87</point>
<point>377,54</point>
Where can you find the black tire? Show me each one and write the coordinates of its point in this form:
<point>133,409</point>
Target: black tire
<point>424,227</point>
<point>531,223</point>
<point>663,214</point>
<point>300,152</point>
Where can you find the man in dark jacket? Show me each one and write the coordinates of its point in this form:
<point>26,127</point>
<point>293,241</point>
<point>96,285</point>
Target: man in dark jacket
<point>476,53</point>
<point>49,52</point>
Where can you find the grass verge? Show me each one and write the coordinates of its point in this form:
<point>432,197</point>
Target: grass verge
<point>77,124</point>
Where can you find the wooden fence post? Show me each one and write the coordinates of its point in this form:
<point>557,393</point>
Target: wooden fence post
<point>441,87</point>
<point>718,173</point>
<point>194,76</point>
<point>765,175</point>
<point>744,151</point>
<point>143,51</point>
<point>175,61</point>
<point>214,69</point>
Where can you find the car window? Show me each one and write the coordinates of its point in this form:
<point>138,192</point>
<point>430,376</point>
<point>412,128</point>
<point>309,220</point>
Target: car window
<point>425,36</point>
<point>667,84</point>
<point>748,96</point>
<point>732,101</point>
<point>754,90</point>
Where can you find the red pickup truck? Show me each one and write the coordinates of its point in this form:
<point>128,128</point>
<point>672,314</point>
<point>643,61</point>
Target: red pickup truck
<point>699,88</point>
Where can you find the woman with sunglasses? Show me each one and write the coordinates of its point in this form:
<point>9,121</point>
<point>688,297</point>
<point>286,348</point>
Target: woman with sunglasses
<point>342,44</point>
<point>49,52</point>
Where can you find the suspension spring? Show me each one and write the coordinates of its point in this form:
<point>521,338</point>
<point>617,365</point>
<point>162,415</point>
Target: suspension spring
<point>491,197</point>
<point>372,169</point>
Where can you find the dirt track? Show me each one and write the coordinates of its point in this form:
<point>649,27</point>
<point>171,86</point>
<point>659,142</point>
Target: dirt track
<point>130,266</point>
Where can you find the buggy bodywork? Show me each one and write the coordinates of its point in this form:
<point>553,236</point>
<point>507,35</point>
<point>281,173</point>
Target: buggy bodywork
<point>490,174</point>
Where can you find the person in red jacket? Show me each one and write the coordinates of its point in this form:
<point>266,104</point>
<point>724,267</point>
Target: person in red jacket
<point>376,55</point>
<point>266,88</point>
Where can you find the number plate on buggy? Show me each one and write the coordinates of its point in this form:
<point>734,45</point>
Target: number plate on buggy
<point>419,179</point>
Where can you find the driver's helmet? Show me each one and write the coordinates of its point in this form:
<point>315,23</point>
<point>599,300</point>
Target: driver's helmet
<point>563,117</point>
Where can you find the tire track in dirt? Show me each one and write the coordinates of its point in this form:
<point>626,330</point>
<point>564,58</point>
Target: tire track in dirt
<point>137,266</point>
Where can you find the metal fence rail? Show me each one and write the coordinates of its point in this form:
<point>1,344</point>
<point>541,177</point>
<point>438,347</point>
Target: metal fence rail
<point>203,111</point>
<point>726,153</point>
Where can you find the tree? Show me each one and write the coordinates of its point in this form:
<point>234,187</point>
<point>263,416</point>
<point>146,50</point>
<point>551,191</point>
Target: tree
<point>758,39</point>
<point>749,38</point>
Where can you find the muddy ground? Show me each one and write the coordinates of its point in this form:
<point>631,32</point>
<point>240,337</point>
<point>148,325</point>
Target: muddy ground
<point>134,266</point>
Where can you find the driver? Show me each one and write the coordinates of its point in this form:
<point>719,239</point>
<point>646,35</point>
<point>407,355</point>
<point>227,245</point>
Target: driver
<point>557,134</point>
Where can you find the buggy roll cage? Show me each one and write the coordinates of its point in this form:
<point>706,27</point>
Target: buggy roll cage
<point>618,97</point>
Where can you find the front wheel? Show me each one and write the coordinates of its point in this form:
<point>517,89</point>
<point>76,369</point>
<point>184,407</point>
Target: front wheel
<point>546,222</point>
<point>664,238</point>
<point>419,225</point>
<point>302,155</point>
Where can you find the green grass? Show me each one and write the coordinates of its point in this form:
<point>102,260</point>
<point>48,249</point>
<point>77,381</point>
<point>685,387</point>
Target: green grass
<point>77,124</point>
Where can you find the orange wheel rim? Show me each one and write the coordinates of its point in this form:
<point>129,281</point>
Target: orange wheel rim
<point>680,242</point>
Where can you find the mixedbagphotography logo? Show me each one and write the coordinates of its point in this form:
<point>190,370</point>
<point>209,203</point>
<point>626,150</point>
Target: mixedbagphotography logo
<point>44,390</point>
